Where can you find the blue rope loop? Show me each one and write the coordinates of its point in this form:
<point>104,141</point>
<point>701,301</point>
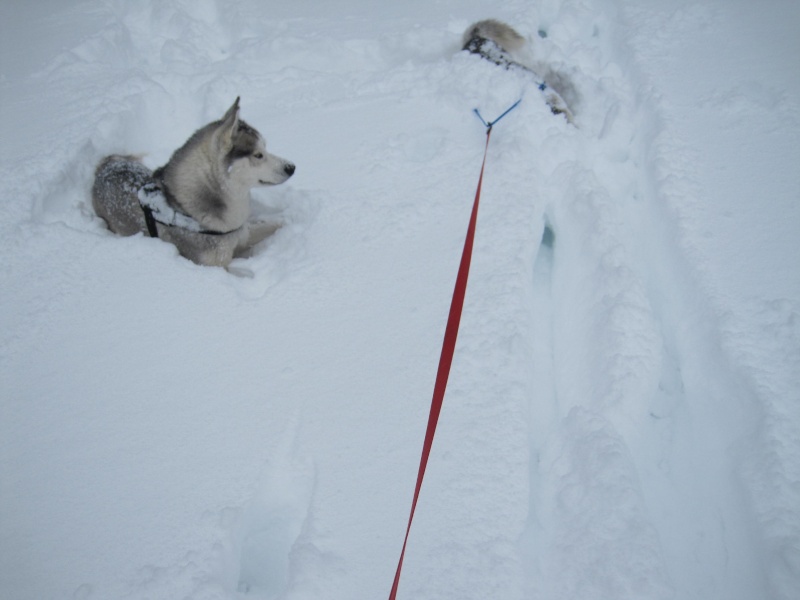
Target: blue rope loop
<point>491,124</point>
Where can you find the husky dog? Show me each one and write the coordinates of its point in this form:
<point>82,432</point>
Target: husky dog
<point>200,200</point>
<point>495,41</point>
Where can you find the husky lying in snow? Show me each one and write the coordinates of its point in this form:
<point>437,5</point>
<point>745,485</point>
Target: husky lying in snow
<point>494,41</point>
<point>199,200</point>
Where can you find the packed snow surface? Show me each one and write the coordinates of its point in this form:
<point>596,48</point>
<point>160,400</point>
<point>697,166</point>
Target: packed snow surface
<point>623,415</point>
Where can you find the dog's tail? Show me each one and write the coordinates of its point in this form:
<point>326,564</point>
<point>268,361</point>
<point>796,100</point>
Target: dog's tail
<point>501,34</point>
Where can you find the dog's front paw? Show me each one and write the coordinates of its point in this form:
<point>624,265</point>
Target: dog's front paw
<point>559,107</point>
<point>240,271</point>
<point>262,228</point>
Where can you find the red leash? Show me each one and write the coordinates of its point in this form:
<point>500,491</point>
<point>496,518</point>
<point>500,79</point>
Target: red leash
<point>448,349</point>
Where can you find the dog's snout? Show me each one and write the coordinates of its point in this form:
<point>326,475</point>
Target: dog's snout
<point>289,169</point>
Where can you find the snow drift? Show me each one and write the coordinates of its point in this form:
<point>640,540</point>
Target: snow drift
<point>624,404</point>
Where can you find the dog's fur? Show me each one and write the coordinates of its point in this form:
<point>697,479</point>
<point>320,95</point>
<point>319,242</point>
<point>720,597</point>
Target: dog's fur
<point>495,41</point>
<point>204,189</point>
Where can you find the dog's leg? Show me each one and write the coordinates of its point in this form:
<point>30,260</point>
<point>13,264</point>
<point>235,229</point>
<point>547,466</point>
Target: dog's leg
<point>257,232</point>
<point>260,230</point>
<point>558,106</point>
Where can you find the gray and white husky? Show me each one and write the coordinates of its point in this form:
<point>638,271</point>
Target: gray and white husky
<point>496,42</point>
<point>200,200</point>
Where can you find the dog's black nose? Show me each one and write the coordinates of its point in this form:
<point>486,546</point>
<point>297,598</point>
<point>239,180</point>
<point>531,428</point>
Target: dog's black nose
<point>289,169</point>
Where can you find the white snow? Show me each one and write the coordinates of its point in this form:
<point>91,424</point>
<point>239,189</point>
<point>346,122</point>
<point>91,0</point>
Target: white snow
<point>623,416</point>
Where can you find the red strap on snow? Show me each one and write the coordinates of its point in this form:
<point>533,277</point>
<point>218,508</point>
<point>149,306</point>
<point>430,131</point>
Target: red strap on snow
<point>446,359</point>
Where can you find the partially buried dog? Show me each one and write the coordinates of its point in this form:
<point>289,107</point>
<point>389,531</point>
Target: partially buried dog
<point>200,200</point>
<point>495,41</point>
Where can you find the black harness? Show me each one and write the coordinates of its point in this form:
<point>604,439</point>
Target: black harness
<point>149,219</point>
<point>489,50</point>
<point>158,206</point>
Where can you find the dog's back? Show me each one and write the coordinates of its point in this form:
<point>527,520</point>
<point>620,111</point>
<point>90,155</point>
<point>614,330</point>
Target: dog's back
<point>501,34</point>
<point>117,182</point>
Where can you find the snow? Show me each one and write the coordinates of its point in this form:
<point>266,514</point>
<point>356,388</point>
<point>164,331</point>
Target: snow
<point>623,411</point>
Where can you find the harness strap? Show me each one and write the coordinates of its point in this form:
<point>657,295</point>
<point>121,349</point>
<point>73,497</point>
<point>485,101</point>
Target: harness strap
<point>492,123</point>
<point>153,199</point>
<point>149,219</point>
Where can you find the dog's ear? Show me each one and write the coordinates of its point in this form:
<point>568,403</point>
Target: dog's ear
<point>229,125</point>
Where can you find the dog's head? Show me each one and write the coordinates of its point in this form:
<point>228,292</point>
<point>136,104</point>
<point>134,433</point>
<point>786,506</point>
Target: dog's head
<point>244,152</point>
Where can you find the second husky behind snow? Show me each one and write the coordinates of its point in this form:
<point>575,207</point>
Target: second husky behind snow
<point>495,41</point>
<point>200,200</point>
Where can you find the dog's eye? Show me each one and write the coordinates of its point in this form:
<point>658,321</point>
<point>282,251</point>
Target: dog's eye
<point>258,155</point>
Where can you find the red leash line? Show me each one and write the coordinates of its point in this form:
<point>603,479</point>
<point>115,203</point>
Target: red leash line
<point>446,359</point>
